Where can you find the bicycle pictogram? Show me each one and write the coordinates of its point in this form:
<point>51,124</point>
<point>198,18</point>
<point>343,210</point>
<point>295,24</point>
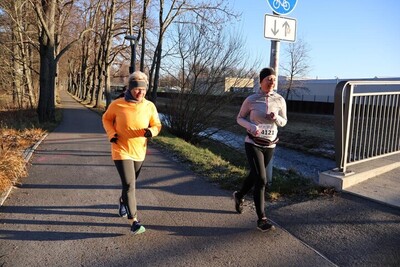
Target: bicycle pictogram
<point>284,3</point>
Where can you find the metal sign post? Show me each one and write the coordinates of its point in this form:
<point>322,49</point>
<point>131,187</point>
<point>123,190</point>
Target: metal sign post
<point>278,28</point>
<point>133,42</point>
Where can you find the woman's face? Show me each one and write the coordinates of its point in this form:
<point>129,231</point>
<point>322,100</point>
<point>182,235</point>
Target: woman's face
<point>138,93</point>
<point>268,83</point>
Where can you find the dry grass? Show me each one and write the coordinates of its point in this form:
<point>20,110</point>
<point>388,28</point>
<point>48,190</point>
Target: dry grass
<point>12,167</point>
<point>18,133</point>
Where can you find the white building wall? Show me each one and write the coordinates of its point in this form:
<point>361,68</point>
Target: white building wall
<point>320,90</point>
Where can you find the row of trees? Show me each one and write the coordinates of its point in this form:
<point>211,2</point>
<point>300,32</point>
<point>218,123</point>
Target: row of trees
<point>37,37</point>
<point>80,45</point>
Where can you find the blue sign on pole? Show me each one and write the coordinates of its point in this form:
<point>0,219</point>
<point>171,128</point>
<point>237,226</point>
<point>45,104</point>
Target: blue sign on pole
<point>282,7</point>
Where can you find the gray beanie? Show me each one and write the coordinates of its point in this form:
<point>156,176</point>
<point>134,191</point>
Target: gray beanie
<point>266,72</point>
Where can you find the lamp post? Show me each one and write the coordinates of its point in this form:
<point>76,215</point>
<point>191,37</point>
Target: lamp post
<point>133,41</point>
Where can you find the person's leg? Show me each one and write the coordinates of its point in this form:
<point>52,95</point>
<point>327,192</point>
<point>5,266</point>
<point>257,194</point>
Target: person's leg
<point>249,181</point>
<point>262,159</point>
<point>128,171</point>
<point>253,154</point>
<point>269,172</point>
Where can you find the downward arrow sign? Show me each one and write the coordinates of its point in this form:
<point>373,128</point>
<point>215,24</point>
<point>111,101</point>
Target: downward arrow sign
<point>274,30</point>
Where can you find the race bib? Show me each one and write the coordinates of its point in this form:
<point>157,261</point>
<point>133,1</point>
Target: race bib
<point>267,131</point>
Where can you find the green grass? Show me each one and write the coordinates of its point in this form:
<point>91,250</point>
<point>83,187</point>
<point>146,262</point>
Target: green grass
<point>228,167</point>
<point>203,161</point>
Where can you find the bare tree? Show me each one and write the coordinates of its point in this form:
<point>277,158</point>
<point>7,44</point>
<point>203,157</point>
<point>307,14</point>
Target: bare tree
<point>207,59</point>
<point>115,27</point>
<point>17,44</point>
<point>47,15</point>
<point>108,19</point>
<point>295,66</point>
<point>216,13</point>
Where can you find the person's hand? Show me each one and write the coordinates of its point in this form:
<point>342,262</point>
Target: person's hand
<point>114,139</point>
<point>147,133</point>
<point>254,130</point>
<point>271,116</point>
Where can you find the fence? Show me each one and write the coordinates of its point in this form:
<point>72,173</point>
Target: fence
<point>367,121</point>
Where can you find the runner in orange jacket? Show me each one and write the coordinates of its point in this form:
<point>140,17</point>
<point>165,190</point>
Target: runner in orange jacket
<point>128,122</point>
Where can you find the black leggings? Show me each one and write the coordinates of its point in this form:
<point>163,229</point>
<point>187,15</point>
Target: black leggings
<point>128,172</point>
<point>258,158</point>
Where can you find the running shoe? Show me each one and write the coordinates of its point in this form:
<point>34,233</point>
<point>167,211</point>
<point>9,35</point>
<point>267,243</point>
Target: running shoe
<point>137,228</point>
<point>238,202</point>
<point>263,225</point>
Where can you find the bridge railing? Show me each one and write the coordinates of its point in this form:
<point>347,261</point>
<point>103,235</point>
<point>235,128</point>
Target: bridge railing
<point>367,121</point>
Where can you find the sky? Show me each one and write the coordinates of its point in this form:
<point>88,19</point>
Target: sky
<point>346,38</point>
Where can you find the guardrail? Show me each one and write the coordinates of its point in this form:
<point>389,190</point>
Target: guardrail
<point>367,121</point>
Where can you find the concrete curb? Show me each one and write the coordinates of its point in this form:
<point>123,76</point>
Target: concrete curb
<point>342,182</point>
<point>27,154</point>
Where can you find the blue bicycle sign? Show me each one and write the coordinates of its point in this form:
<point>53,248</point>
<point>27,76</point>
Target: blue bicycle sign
<point>282,7</point>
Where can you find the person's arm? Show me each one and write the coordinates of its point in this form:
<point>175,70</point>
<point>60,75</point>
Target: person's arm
<point>108,124</point>
<point>154,123</point>
<point>281,118</point>
<point>242,120</point>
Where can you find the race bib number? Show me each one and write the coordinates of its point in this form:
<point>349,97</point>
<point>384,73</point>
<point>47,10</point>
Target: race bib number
<point>267,131</point>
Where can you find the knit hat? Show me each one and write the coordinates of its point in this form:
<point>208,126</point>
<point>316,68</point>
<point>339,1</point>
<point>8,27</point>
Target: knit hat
<point>137,83</point>
<point>137,79</point>
<point>266,72</point>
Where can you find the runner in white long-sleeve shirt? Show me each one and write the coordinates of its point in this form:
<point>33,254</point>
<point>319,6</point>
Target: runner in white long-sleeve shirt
<point>260,114</point>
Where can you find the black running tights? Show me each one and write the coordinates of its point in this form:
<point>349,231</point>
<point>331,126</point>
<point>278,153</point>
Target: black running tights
<point>128,172</point>
<point>258,158</point>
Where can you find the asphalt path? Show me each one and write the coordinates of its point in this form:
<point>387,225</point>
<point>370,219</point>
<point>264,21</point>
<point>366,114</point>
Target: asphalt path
<point>65,214</point>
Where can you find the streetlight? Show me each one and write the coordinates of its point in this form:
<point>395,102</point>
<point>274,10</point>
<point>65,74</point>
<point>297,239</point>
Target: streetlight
<point>133,40</point>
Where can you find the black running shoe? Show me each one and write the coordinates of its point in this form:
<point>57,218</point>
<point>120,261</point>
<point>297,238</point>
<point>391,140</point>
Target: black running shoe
<point>264,226</point>
<point>238,202</point>
<point>137,228</point>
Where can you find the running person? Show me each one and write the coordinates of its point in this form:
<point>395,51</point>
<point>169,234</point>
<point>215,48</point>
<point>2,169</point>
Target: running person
<point>128,122</point>
<point>260,114</point>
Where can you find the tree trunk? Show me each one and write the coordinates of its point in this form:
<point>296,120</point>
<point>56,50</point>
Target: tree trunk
<point>17,74</point>
<point>143,30</point>
<point>17,56</point>
<point>46,107</point>
<point>157,73</point>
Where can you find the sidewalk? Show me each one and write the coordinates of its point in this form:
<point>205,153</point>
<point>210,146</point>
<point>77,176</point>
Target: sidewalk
<point>376,180</point>
<point>65,214</point>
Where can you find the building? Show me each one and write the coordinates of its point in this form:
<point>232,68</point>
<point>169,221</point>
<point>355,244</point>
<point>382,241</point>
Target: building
<point>226,84</point>
<point>318,90</point>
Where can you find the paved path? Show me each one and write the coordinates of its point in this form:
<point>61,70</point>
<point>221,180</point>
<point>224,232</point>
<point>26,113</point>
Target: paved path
<point>65,214</point>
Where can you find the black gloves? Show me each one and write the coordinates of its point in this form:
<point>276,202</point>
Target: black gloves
<point>114,139</point>
<point>147,133</point>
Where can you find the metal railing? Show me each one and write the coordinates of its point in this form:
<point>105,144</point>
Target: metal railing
<point>367,121</point>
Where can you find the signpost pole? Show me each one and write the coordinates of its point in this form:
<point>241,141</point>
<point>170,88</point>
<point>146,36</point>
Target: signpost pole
<point>273,63</point>
<point>274,59</point>
<point>278,8</point>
